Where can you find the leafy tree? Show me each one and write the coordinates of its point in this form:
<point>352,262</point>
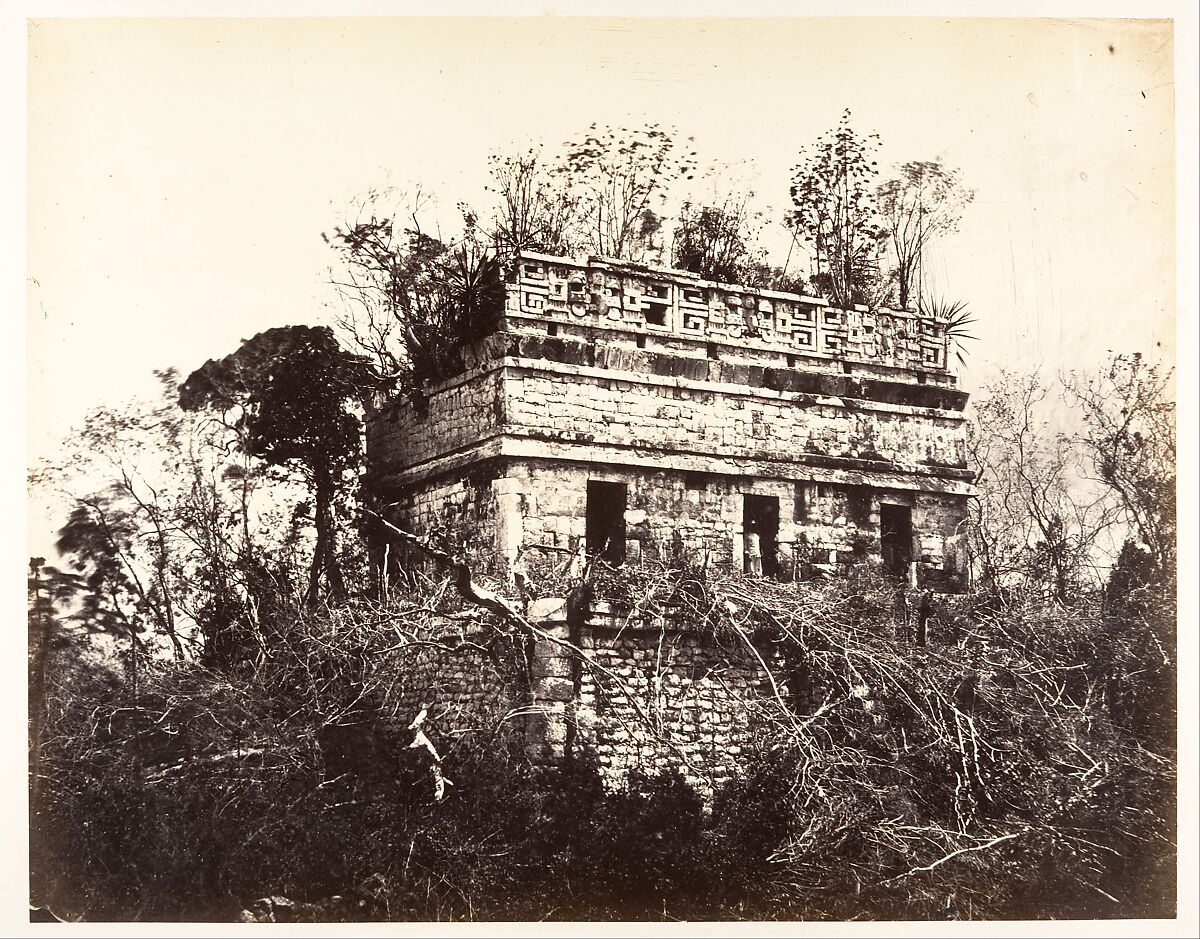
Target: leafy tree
<point>414,304</point>
<point>538,210</point>
<point>291,393</point>
<point>719,242</point>
<point>124,536</point>
<point>835,212</point>
<point>1133,573</point>
<point>920,204</point>
<point>1129,433</point>
<point>715,241</point>
<point>242,559</point>
<point>98,538</point>
<point>621,174</point>
<point>110,596</point>
<point>1037,520</point>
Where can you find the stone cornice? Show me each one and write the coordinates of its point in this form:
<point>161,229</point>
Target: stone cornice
<point>523,444</point>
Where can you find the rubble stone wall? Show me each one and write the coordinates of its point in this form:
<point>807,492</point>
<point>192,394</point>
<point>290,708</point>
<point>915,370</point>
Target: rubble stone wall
<point>697,695</point>
<point>468,683</point>
<point>654,697</point>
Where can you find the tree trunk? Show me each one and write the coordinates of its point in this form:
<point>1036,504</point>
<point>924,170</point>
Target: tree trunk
<point>324,561</point>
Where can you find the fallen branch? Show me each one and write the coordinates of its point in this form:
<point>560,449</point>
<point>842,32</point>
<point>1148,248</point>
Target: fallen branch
<point>953,854</point>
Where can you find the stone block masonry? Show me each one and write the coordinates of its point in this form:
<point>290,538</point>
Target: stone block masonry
<point>649,415</point>
<point>453,415</point>
<point>468,681</point>
<point>648,697</point>
<point>628,410</point>
<point>700,518</point>
<point>697,693</point>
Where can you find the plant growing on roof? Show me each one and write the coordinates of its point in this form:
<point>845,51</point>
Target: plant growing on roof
<point>716,233</point>
<point>956,320</point>
<point>925,200</point>
<point>622,174</point>
<point>538,210</point>
<point>414,302</point>
<point>835,212</point>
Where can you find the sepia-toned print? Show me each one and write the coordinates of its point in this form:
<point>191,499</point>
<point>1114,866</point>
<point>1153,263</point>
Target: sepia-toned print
<point>602,469</point>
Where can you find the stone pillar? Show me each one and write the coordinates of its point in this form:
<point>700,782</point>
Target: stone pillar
<point>510,522</point>
<point>552,683</point>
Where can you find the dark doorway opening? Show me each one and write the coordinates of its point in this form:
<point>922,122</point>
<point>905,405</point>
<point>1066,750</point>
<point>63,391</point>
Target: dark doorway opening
<point>606,520</point>
<point>760,525</point>
<point>895,535</point>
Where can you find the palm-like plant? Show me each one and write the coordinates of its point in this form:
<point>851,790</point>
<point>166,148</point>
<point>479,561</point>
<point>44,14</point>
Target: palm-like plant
<point>956,319</point>
<point>467,305</point>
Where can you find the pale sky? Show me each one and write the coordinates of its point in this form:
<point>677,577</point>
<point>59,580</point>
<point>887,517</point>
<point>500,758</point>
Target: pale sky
<point>180,172</point>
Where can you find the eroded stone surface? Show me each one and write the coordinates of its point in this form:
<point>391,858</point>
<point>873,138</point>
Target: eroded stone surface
<point>731,417</point>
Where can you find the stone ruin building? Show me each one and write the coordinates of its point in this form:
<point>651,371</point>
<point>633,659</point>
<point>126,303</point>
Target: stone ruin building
<point>643,413</point>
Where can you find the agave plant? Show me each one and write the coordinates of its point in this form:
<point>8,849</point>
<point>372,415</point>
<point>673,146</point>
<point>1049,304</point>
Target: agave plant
<point>467,303</point>
<point>957,320</point>
<point>475,293</point>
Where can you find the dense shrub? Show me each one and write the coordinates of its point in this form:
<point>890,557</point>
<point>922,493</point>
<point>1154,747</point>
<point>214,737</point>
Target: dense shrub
<point>1018,764</point>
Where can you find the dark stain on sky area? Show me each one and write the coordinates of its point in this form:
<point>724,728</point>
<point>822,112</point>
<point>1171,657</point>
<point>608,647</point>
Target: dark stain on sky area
<point>1112,50</point>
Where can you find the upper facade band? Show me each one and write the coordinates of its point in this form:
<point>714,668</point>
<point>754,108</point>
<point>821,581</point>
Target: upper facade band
<point>605,292</point>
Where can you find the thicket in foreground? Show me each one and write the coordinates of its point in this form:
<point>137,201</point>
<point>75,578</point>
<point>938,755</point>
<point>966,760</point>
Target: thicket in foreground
<point>1010,759</point>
